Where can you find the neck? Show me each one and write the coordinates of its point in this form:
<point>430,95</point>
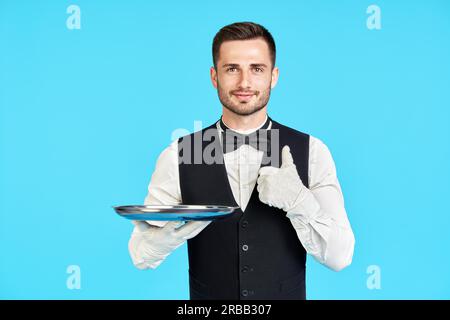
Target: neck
<point>241,123</point>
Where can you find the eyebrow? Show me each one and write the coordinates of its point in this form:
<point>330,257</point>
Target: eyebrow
<point>237,65</point>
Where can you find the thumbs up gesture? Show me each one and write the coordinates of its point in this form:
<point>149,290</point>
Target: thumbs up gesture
<point>280,187</point>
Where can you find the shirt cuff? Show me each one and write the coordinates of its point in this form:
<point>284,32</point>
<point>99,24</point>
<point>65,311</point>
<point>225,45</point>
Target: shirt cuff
<point>305,208</point>
<point>147,264</point>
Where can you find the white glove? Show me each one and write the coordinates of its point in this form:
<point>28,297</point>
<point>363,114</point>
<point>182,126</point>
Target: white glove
<point>150,245</point>
<point>280,187</point>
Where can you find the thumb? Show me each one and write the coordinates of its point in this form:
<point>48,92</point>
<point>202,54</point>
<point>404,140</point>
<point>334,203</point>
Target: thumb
<point>191,229</point>
<point>267,171</point>
<point>286,157</point>
<point>172,225</point>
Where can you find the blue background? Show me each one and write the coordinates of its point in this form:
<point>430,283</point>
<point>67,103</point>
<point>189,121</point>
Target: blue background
<point>85,114</point>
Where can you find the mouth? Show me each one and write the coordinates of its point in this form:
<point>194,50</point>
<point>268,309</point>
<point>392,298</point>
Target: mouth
<point>243,96</point>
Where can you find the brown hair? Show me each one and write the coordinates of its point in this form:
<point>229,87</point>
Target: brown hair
<point>242,31</point>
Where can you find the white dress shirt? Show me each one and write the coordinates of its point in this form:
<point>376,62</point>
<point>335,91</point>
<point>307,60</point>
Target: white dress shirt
<point>320,220</point>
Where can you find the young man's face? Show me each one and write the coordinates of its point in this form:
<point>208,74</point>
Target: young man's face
<point>244,75</point>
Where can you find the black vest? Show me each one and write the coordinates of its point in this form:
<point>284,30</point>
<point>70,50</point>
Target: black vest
<point>254,254</point>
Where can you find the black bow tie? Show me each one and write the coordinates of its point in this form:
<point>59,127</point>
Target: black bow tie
<point>259,139</point>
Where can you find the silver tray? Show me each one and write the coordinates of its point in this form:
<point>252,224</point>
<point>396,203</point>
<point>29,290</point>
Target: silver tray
<point>174,213</point>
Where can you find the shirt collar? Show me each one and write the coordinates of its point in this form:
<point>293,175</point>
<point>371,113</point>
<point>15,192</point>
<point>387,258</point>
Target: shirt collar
<point>267,124</point>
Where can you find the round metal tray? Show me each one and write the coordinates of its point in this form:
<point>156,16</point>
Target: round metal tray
<point>174,213</point>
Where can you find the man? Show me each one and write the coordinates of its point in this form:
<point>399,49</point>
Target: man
<point>286,210</point>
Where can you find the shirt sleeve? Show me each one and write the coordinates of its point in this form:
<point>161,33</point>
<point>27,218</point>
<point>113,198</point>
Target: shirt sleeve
<point>319,216</point>
<point>164,189</point>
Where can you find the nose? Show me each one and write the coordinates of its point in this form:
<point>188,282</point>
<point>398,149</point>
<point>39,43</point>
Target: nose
<point>244,80</point>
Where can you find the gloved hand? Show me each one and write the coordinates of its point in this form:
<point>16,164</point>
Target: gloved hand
<point>150,245</point>
<point>280,187</point>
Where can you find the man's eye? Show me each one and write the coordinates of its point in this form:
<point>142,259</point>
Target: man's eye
<point>258,69</point>
<point>229,69</point>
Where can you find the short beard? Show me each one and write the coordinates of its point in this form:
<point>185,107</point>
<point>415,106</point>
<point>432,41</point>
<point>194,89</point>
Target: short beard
<point>262,98</point>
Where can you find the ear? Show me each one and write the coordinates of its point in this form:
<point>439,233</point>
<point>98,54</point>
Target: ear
<point>213,75</point>
<point>275,74</point>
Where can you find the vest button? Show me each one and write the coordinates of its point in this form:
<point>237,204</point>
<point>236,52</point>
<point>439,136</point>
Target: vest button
<point>244,268</point>
<point>244,224</point>
<point>244,293</point>
<point>245,247</point>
